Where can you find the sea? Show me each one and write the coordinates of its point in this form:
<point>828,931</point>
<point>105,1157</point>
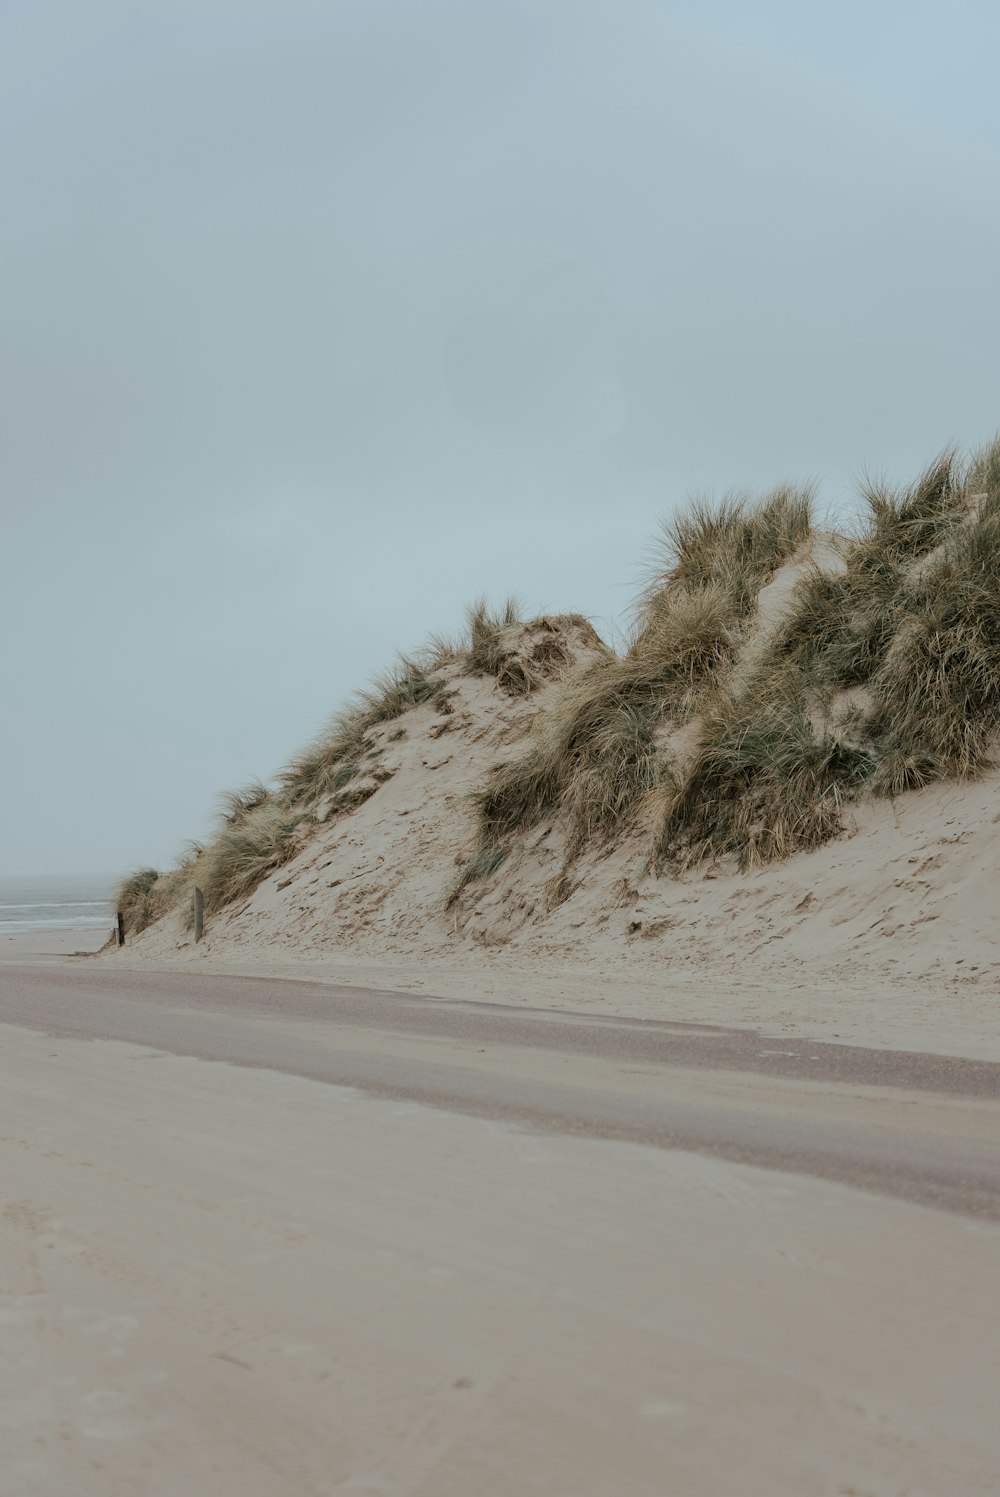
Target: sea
<point>54,902</point>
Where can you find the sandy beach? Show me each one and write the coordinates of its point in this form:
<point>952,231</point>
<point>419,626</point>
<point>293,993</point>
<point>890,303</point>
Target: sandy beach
<point>233,1278</point>
<point>956,1018</point>
<point>51,945</point>
<point>500,785</point>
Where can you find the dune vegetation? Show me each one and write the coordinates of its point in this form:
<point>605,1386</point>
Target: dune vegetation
<point>881,675</point>
<point>726,728</point>
<point>595,755</point>
<point>259,828</point>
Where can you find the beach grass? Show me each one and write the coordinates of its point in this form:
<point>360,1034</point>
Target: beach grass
<point>716,732</point>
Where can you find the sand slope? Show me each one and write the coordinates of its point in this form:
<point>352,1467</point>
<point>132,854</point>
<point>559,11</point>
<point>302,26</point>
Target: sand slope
<point>884,935</point>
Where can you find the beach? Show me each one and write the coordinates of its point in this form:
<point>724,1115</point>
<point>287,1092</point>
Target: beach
<point>456,1272</point>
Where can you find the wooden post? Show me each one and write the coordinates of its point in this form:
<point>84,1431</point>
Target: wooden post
<point>199,914</point>
<point>121,928</point>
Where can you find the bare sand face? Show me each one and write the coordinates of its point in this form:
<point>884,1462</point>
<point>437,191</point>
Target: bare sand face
<point>239,1282</point>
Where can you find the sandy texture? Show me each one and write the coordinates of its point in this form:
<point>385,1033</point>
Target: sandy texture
<point>248,1284</point>
<point>42,945</point>
<point>886,936</point>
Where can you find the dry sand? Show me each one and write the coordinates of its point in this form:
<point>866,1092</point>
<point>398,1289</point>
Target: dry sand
<point>51,945</point>
<point>244,1283</point>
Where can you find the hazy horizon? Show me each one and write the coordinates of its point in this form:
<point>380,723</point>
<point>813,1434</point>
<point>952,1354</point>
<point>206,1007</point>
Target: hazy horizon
<point>322,320</point>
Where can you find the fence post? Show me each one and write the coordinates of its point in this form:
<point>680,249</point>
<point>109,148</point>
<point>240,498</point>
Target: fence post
<point>199,914</point>
<point>120,928</point>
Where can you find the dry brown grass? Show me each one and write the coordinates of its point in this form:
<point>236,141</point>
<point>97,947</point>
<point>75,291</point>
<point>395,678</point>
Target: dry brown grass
<point>593,757</point>
<point>738,543</point>
<point>916,619</point>
<point>138,900</point>
<point>327,765</point>
<point>246,853</point>
<point>767,779</point>
<point>936,694</point>
<point>489,635</point>
<point>235,805</point>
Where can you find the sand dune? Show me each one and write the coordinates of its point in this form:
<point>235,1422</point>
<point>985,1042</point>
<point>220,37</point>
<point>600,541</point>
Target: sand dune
<point>883,935</point>
<point>726,816</point>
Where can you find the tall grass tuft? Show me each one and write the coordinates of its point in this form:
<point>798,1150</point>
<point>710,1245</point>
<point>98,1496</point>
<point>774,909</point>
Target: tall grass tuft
<point>327,765</point>
<point>764,783</point>
<point>840,627</point>
<point>235,805</point>
<point>982,480</point>
<point>936,694</point>
<point>594,757</point>
<point>137,899</point>
<point>915,619</point>
<point>246,852</point>
<point>488,634</point>
<point>738,543</point>
<point>907,524</point>
<point>495,647</point>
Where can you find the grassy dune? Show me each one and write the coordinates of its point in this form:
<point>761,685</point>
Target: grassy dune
<point>259,828</point>
<point>717,732</point>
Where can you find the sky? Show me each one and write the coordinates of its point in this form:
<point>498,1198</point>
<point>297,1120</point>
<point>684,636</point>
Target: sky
<point>319,318</point>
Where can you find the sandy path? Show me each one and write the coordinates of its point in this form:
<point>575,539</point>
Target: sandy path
<point>229,1280</point>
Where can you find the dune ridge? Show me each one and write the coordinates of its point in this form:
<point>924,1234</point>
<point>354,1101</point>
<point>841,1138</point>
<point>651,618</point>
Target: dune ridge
<point>788,770</point>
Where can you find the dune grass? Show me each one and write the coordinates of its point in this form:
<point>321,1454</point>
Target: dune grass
<point>914,619</point>
<point>883,675</point>
<point>247,852</point>
<point>594,757</point>
<point>936,693</point>
<point>501,643</point>
<point>738,543</point>
<point>480,866</point>
<point>137,899</point>
<point>236,805</point>
<point>840,626</point>
<point>904,525</point>
<point>766,780</point>
<point>328,764</point>
<point>260,828</point>
<point>488,631</point>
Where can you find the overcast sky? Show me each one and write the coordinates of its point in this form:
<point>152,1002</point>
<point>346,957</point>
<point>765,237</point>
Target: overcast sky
<point>319,319</point>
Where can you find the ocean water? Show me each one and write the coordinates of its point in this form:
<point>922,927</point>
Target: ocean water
<point>53,902</point>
